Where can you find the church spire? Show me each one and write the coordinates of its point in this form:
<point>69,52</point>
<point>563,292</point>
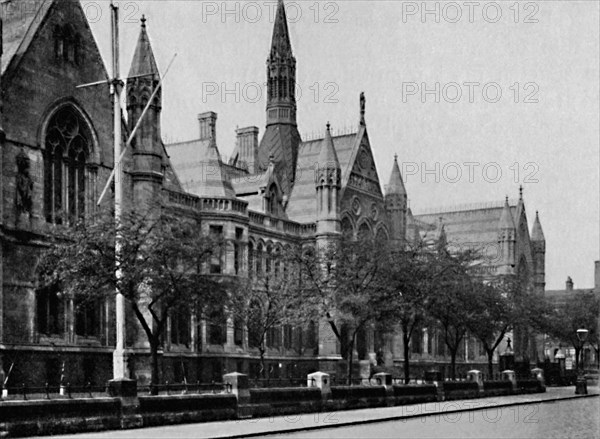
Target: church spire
<point>328,157</point>
<point>147,172</point>
<point>280,44</point>
<point>281,138</point>
<point>506,220</point>
<point>396,185</point>
<point>143,62</point>
<point>281,74</point>
<point>537,234</point>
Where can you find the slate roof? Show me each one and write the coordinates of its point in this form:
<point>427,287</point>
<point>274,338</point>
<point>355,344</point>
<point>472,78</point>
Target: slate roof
<point>281,141</point>
<point>302,206</point>
<point>200,168</point>
<point>474,226</point>
<point>21,20</point>
<point>143,58</point>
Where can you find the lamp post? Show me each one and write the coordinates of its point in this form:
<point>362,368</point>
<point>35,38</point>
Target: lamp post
<point>581,384</point>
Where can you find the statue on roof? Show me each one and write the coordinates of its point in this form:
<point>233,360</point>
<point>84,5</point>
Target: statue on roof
<point>363,103</point>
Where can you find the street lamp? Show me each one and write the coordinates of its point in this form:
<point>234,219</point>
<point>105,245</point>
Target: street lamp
<point>581,384</point>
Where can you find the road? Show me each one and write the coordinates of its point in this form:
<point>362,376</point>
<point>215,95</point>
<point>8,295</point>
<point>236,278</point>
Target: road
<point>577,418</point>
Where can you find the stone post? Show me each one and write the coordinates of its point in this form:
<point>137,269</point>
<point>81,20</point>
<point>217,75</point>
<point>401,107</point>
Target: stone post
<point>321,380</point>
<point>475,376</point>
<point>538,374</point>
<point>509,375</point>
<point>238,383</point>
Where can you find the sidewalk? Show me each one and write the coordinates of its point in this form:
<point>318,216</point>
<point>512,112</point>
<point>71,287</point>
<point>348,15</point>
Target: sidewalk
<point>311,421</point>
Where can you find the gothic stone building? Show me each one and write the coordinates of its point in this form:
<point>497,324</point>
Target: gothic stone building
<point>56,156</point>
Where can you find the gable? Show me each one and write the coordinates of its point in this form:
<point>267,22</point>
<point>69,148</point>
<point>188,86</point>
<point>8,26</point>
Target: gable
<point>35,79</point>
<point>363,175</point>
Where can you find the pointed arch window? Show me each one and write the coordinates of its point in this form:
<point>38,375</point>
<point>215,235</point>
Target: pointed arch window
<point>67,146</point>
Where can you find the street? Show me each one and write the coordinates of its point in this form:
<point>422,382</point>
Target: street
<point>577,418</point>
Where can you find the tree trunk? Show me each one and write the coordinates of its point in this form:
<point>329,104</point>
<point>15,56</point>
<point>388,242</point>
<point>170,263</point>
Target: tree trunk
<point>349,365</point>
<point>453,363</point>
<point>261,372</point>
<point>154,358</point>
<point>490,355</point>
<point>406,341</point>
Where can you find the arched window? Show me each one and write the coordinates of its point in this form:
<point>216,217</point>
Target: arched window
<point>250,259</point>
<point>259,262</point>
<point>381,235</point>
<point>347,228</point>
<point>67,145</point>
<point>364,231</point>
<point>269,260</point>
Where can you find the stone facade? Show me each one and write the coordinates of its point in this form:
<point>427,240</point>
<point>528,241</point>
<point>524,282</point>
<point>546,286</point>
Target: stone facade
<point>56,157</point>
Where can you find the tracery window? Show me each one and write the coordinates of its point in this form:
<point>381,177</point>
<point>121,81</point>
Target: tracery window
<point>67,145</point>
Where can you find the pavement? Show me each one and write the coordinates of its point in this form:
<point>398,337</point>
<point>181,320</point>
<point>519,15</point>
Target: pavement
<point>305,422</point>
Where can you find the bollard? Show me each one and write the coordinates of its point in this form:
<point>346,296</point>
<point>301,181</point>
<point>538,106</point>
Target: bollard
<point>321,380</point>
<point>509,375</point>
<point>475,376</point>
<point>238,383</point>
<point>538,374</point>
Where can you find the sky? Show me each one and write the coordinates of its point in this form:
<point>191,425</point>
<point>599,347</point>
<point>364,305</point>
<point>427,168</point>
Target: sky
<point>476,99</point>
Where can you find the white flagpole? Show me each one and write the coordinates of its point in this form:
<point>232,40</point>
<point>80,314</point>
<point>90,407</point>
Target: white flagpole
<point>120,371</point>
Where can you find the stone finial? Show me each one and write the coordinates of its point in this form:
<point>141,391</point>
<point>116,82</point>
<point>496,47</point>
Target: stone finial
<point>363,103</point>
<point>143,20</point>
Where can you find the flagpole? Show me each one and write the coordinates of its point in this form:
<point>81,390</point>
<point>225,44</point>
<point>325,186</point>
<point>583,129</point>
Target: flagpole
<point>120,370</point>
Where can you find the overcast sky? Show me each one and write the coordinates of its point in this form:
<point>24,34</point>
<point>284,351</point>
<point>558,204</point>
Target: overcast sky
<point>516,89</point>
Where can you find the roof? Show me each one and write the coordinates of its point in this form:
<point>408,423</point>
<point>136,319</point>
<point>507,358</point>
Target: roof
<point>143,62</point>
<point>282,142</point>
<point>506,221</point>
<point>537,233</point>
<point>20,21</point>
<point>302,206</point>
<point>396,185</point>
<point>476,227</point>
<point>280,44</point>
<point>327,156</point>
<point>200,168</point>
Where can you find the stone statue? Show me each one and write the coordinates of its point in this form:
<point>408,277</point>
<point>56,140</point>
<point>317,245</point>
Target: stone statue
<point>363,103</point>
<point>24,184</point>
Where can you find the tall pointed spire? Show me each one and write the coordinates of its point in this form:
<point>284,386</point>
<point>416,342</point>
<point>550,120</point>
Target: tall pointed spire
<point>143,62</point>
<point>396,185</point>
<point>506,219</point>
<point>280,43</point>
<point>537,234</point>
<point>328,156</point>
<point>281,138</point>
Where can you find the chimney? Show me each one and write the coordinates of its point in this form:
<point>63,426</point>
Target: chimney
<point>569,283</point>
<point>208,125</point>
<point>247,147</point>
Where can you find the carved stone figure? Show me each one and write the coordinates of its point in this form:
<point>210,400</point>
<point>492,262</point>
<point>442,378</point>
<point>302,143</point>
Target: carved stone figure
<point>24,184</point>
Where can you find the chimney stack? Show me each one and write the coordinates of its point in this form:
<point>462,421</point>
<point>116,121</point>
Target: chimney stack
<point>208,125</point>
<point>247,147</point>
